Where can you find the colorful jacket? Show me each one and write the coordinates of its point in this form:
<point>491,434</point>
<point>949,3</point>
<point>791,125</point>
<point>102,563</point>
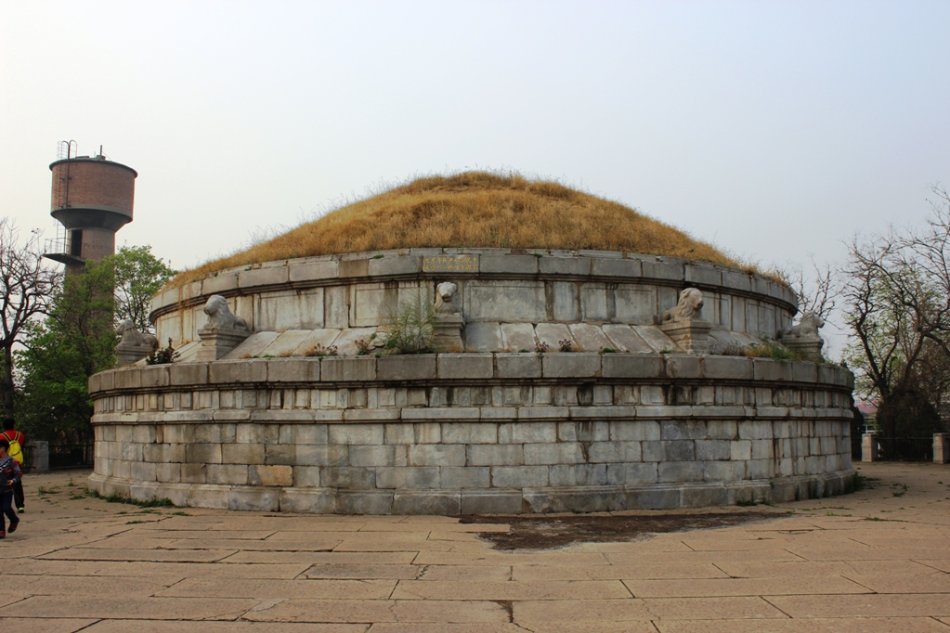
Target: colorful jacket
<point>9,471</point>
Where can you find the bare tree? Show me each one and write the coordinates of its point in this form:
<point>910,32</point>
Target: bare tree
<point>817,295</point>
<point>26,288</point>
<point>897,294</point>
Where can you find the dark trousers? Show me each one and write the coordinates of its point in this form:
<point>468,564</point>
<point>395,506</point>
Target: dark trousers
<point>6,510</point>
<point>18,493</point>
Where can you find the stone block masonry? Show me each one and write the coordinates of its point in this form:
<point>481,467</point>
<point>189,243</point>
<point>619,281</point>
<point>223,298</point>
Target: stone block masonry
<point>473,433</point>
<point>496,287</point>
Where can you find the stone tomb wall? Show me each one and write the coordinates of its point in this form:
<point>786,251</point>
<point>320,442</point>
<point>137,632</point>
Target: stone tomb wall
<point>473,433</point>
<point>364,290</point>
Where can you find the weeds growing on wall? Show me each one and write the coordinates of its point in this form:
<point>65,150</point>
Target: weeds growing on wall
<point>411,329</point>
<point>770,349</point>
<point>319,350</point>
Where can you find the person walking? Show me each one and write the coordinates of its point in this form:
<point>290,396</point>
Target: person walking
<point>17,441</point>
<point>9,475</point>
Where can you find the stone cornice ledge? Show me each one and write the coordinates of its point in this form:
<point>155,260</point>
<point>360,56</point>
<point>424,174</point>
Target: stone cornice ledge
<point>469,369</point>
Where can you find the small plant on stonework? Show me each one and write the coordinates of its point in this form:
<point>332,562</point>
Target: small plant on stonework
<point>541,347</point>
<point>362,346</point>
<point>566,345</point>
<point>608,350</point>
<point>411,329</point>
<point>365,346</point>
<point>319,350</point>
<point>162,356</point>
<point>770,349</point>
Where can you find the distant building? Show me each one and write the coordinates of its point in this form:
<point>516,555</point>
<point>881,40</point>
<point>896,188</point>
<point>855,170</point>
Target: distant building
<point>92,198</point>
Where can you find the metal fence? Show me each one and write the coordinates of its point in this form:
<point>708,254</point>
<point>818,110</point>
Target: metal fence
<point>907,449</point>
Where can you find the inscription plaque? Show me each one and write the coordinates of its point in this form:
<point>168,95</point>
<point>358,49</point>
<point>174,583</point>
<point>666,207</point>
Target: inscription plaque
<point>450,264</point>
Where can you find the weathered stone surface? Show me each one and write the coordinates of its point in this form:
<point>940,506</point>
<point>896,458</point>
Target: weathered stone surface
<point>270,475</point>
<point>551,334</point>
<point>292,370</point>
<point>483,337</point>
<point>364,434</point>
<point>347,369</point>
<point>469,433</point>
<point>437,455</point>
<point>451,477</point>
<point>519,476</point>
<point>727,367</point>
<point>522,264</point>
<point>408,478</point>
<point>407,367</point>
<point>349,478</point>
<point>509,301</point>
<point>495,454</point>
<point>518,337</point>
<point>429,503</point>
<point>237,371</point>
<point>632,366</point>
<point>625,339</point>
<point>580,365</point>
<point>518,366</point>
<point>460,366</point>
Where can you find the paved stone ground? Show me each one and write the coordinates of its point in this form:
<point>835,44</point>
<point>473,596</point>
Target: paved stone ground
<point>876,560</point>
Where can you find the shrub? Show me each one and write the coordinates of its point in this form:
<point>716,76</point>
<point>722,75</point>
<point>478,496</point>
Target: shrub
<point>411,330</point>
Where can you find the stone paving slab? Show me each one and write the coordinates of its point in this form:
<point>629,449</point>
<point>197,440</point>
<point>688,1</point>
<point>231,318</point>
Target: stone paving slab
<point>372,611</point>
<point>124,626</point>
<point>45,625</point>
<point>869,562</point>
<point>811,625</point>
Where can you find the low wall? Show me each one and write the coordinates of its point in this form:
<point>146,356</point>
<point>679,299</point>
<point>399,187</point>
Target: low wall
<point>473,433</point>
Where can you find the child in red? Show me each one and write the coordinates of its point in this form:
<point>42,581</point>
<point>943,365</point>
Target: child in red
<point>10,434</point>
<point>9,475</point>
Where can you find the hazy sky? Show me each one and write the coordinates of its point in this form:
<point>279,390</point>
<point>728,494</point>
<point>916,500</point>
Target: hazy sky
<point>775,130</point>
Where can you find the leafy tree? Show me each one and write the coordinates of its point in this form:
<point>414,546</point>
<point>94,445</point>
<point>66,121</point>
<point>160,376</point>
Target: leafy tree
<point>78,339</point>
<point>138,276</point>
<point>26,288</point>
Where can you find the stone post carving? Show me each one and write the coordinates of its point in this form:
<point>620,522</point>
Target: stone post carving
<point>134,345</point>
<point>803,338</point>
<point>448,323</point>
<point>223,332</point>
<point>682,323</point>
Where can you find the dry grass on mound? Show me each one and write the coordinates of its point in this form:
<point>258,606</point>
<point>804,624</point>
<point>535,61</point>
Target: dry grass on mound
<point>474,209</point>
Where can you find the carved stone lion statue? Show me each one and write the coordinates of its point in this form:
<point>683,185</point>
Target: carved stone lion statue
<point>220,316</point>
<point>445,297</point>
<point>132,338</point>
<point>690,303</point>
<point>807,327</point>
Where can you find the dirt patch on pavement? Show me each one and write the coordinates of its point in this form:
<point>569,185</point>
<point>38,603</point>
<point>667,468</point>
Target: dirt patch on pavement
<point>548,532</point>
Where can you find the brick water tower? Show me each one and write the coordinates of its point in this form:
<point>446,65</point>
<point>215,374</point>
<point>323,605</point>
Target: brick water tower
<point>92,198</point>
